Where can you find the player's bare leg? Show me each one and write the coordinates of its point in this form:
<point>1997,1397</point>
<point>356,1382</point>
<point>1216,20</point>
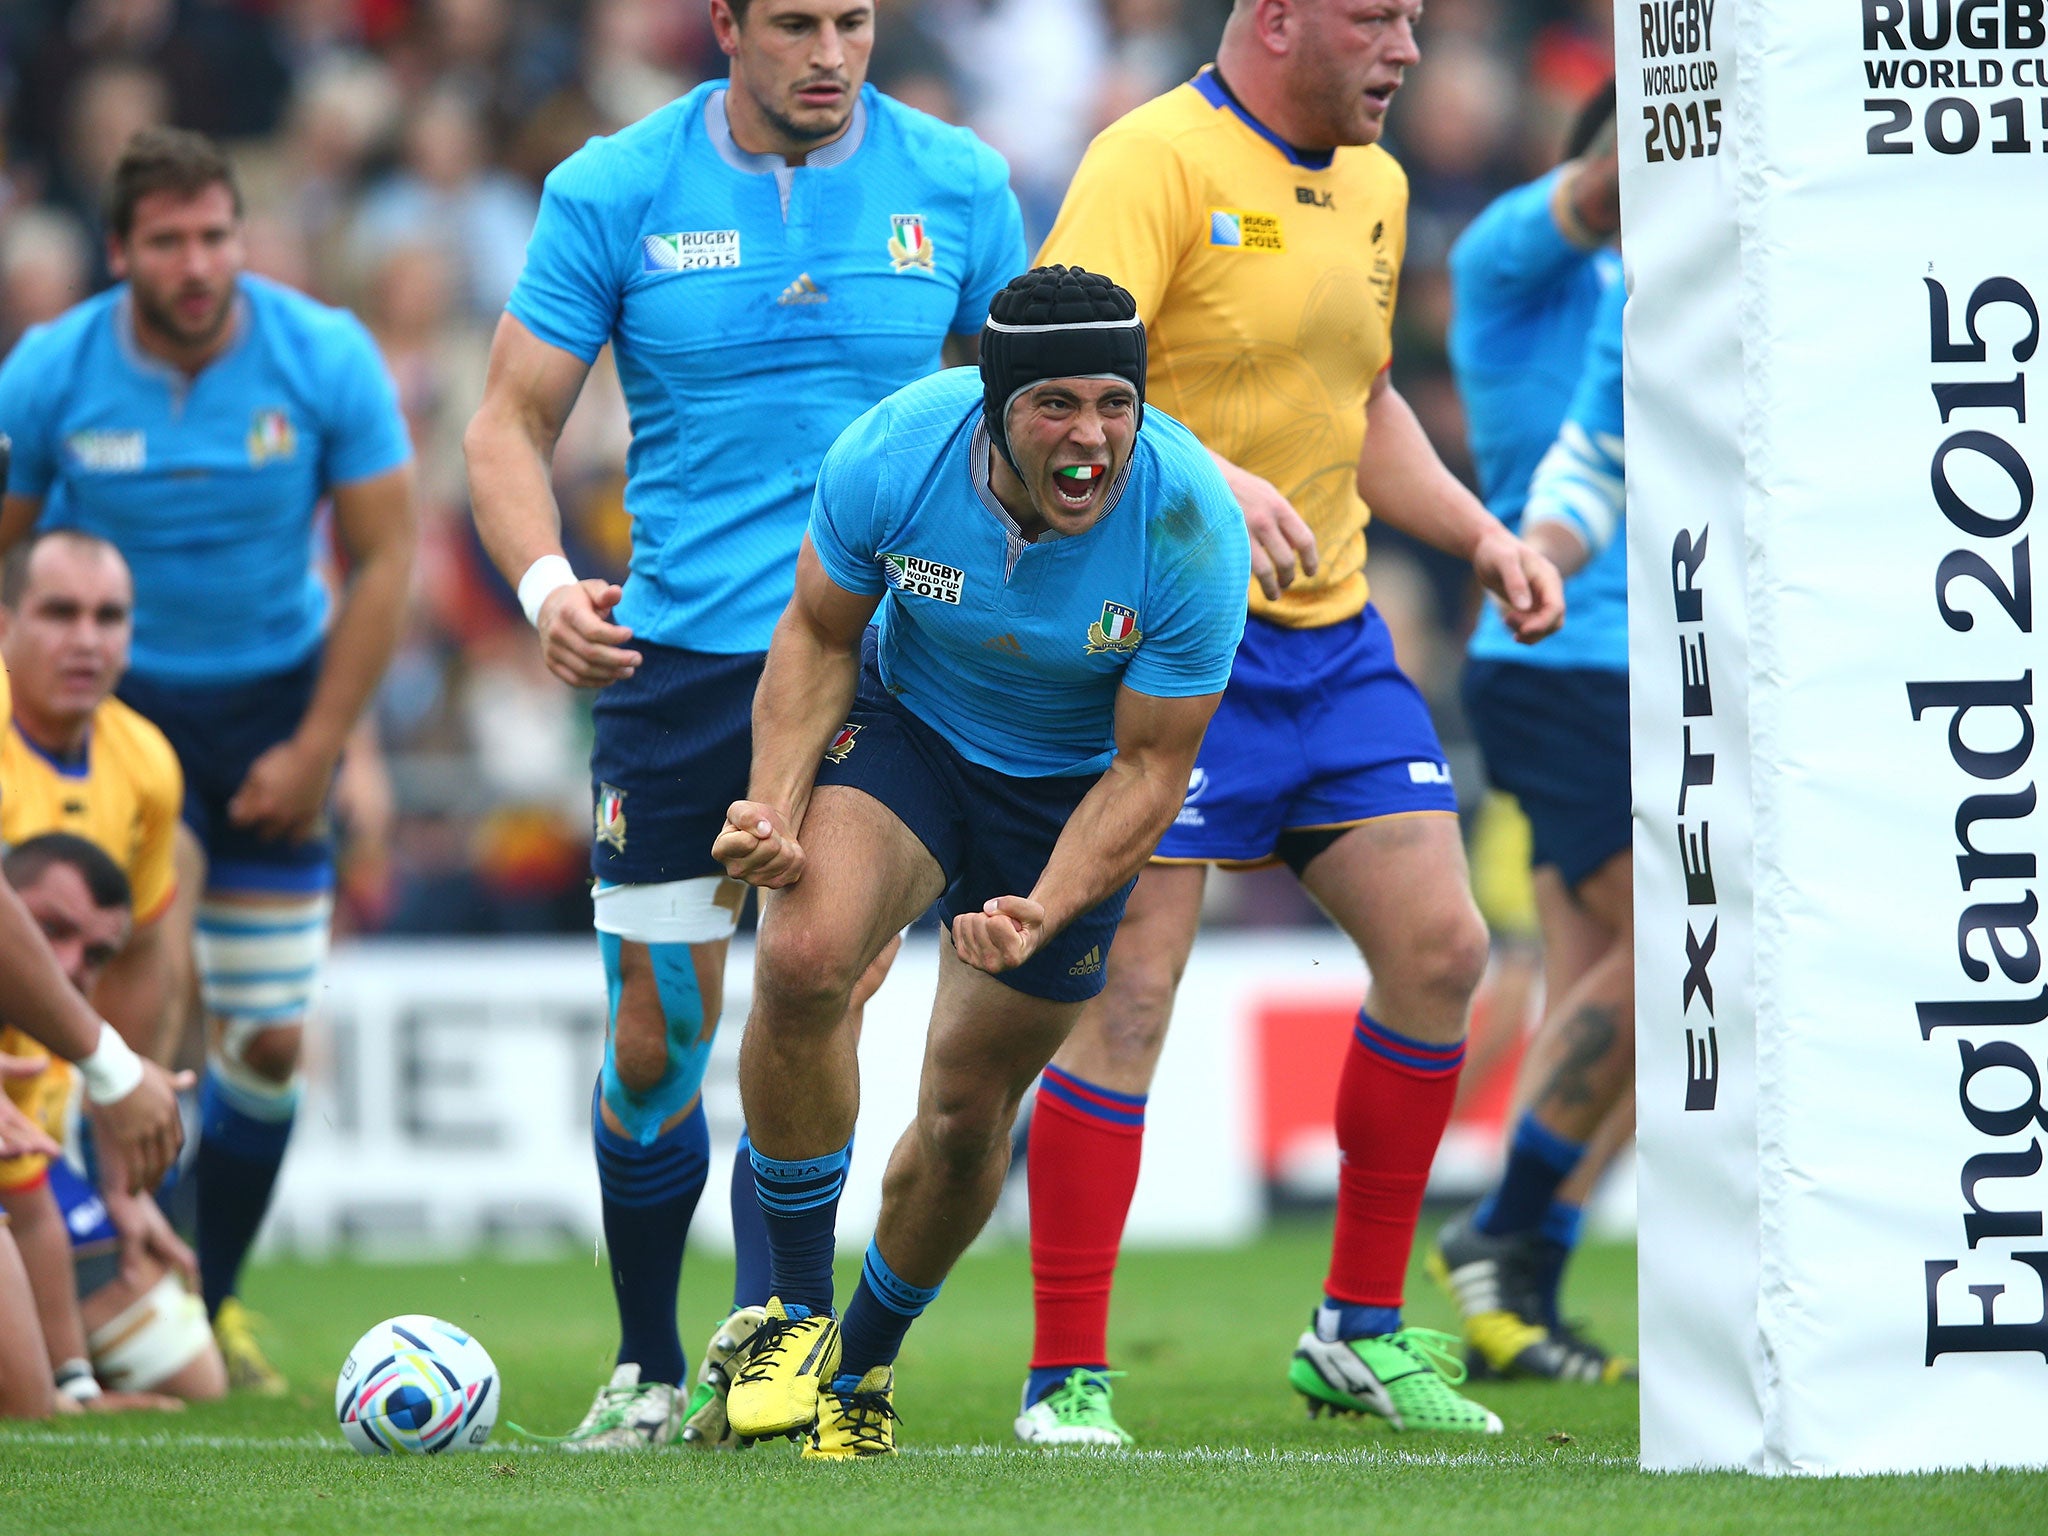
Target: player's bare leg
<point>1503,1262</point>
<point>25,1388</point>
<point>866,876</point>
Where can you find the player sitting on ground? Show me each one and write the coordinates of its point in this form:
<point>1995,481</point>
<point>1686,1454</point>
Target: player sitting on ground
<point>1061,580</point>
<point>80,900</point>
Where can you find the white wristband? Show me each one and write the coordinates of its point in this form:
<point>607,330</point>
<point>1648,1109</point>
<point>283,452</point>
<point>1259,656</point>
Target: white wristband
<point>112,1071</point>
<point>545,575</point>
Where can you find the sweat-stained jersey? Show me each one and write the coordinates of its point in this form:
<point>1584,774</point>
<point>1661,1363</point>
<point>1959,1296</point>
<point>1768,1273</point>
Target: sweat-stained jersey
<point>1014,651</point>
<point>754,310</point>
<point>1266,277</point>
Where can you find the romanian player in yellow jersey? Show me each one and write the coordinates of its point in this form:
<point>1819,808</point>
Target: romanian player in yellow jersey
<point>1261,228</point>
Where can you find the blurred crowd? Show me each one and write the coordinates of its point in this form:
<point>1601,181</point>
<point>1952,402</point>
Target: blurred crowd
<point>393,151</point>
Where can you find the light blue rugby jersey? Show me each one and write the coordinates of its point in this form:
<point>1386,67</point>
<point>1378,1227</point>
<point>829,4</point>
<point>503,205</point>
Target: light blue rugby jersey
<point>1524,300</point>
<point>208,485</point>
<point>754,310</point>
<point>1013,651</point>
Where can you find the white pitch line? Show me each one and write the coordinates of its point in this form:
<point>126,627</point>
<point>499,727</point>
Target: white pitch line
<point>1191,1455</point>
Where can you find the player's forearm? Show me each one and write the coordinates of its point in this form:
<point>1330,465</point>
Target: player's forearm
<point>1407,486</point>
<point>360,645</point>
<point>134,992</point>
<point>805,694</point>
<point>1110,836</point>
<point>34,995</point>
<point>511,490</point>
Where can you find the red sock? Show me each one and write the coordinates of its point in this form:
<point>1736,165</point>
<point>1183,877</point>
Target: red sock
<point>1085,1144</point>
<point>1393,1103</point>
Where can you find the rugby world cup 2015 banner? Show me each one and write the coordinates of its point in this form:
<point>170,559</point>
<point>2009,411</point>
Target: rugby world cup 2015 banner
<point>1838,268</point>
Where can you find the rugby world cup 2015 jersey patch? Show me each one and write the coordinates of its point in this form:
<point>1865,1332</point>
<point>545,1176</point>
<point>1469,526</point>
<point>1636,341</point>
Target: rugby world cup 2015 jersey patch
<point>1240,230</point>
<point>691,251</point>
<point>107,452</point>
<point>924,578</point>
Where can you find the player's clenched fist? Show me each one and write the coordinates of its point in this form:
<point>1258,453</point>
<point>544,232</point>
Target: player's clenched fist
<point>757,846</point>
<point>579,641</point>
<point>1001,936</point>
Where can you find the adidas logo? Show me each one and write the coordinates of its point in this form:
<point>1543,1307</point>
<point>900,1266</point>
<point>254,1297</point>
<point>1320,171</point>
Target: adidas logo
<point>1088,964</point>
<point>802,291</point>
<point>1006,644</point>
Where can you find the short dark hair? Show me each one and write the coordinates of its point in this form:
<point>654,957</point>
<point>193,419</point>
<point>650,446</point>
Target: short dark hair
<point>1592,118</point>
<point>14,569</point>
<point>27,862</point>
<point>173,160</point>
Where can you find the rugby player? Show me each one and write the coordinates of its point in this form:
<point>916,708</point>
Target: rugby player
<point>197,417</point>
<point>1535,342</point>
<point>1060,577</point>
<point>148,1338</point>
<point>1261,229</point>
<point>767,256</point>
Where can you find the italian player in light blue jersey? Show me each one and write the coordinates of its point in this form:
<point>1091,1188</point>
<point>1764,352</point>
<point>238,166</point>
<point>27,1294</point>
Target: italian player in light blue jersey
<point>1536,344</point>
<point>198,418</point>
<point>767,257</point>
<point>1060,581</point>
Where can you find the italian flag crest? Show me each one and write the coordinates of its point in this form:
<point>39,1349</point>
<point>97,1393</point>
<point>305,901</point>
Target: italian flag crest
<point>909,245</point>
<point>1116,630</point>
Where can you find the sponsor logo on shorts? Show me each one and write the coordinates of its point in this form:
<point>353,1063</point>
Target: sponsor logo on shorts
<point>842,743</point>
<point>692,250</point>
<point>1190,812</point>
<point>1088,964</point>
<point>106,452</point>
<point>271,437</point>
<point>924,578</point>
<point>1116,630</point>
<point>1244,231</point>
<point>1429,773</point>
<point>611,816</point>
<point>910,248</point>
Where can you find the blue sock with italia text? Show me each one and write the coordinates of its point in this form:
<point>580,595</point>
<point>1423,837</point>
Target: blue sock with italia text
<point>884,1306</point>
<point>649,1195</point>
<point>799,1201</point>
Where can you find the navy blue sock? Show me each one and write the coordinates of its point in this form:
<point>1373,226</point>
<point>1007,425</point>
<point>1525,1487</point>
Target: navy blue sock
<point>650,1193</point>
<point>884,1306</point>
<point>241,1147</point>
<point>750,1279</point>
<point>1039,1385</point>
<point>1559,1235</point>
<point>1538,1161</point>
<point>799,1204</point>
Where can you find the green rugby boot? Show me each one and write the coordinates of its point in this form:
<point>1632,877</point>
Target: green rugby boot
<point>1076,1412</point>
<point>1406,1378</point>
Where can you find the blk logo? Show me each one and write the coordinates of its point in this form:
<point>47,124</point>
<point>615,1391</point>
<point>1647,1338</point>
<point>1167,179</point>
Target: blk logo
<point>1309,197</point>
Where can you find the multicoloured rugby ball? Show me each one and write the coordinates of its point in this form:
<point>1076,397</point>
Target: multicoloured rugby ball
<point>418,1386</point>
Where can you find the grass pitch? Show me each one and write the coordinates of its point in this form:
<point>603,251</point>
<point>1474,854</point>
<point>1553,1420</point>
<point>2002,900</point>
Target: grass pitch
<point>1224,1445</point>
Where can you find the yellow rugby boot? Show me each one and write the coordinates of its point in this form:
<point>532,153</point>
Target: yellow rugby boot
<point>857,1423</point>
<point>778,1373</point>
<point>249,1369</point>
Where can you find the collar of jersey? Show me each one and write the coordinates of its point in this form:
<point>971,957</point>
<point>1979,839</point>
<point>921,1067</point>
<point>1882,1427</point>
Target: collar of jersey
<point>1210,84</point>
<point>82,769</point>
<point>838,152</point>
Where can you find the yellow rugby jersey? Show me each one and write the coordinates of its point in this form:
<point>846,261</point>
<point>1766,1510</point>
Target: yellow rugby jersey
<point>1266,278</point>
<point>125,797</point>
